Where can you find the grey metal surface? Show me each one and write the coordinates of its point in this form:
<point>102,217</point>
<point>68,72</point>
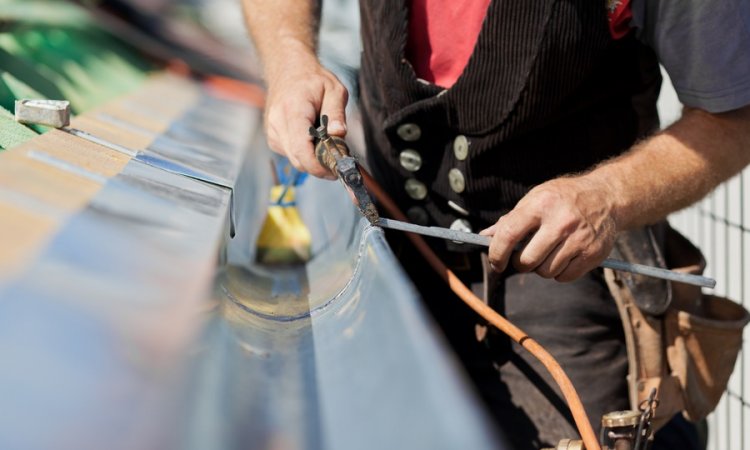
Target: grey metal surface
<point>95,332</point>
<point>127,334</point>
<point>92,333</point>
<point>194,146</point>
<point>337,354</point>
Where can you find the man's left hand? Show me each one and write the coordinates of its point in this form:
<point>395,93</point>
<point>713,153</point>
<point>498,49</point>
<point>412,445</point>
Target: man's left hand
<point>564,228</point>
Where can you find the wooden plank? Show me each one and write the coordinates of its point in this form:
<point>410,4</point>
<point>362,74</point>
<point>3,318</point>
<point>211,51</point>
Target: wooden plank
<point>49,178</point>
<point>22,235</point>
<point>111,133</point>
<point>86,155</point>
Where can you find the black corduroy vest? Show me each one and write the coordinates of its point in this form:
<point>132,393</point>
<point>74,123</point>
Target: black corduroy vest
<point>546,92</point>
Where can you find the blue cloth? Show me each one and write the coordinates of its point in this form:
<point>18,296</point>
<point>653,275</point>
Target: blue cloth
<point>288,176</point>
<point>286,173</point>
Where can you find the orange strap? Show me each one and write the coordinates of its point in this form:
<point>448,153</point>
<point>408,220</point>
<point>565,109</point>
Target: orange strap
<point>501,323</point>
<point>235,90</point>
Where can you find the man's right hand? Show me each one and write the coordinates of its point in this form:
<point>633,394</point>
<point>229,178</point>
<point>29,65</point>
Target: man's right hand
<point>300,92</point>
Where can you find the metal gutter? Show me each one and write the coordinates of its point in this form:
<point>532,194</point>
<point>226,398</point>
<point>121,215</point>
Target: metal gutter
<point>141,325</point>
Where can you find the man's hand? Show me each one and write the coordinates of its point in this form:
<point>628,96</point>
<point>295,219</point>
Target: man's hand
<point>569,224</point>
<point>297,96</point>
<point>299,89</point>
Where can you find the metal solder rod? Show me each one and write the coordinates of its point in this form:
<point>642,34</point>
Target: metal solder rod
<point>438,232</point>
<point>658,272</point>
<point>614,264</point>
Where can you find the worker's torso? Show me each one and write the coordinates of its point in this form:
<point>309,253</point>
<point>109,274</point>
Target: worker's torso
<point>545,92</point>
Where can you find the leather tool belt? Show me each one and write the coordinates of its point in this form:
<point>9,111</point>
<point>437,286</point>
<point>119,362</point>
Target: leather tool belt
<point>680,341</point>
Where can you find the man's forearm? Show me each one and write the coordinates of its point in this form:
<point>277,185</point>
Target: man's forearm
<point>677,167</point>
<point>570,223</point>
<point>284,32</point>
<point>300,90</point>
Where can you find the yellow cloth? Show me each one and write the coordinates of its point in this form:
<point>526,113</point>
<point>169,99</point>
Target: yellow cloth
<point>284,238</point>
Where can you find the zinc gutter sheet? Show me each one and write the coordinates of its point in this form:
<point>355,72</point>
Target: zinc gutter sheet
<point>141,325</point>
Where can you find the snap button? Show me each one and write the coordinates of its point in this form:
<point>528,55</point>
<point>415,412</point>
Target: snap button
<point>418,215</point>
<point>410,160</point>
<point>456,180</point>
<point>409,132</point>
<point>415,189</point>
<point>461,147</point>
<point>461,225</point>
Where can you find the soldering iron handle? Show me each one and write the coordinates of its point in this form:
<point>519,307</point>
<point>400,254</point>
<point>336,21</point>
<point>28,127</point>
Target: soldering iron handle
<point>329,151</point>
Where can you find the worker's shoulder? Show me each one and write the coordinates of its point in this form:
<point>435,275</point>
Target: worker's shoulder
<point>702,44</point>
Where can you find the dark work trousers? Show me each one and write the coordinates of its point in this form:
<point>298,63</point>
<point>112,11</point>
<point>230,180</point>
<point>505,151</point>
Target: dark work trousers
<point>576,322</point>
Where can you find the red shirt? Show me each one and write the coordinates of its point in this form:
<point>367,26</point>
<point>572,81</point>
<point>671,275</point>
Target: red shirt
<point>442,36</point>
<point>443,33</point>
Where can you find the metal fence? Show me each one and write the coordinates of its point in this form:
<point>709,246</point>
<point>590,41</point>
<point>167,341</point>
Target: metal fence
<point>720,226</point>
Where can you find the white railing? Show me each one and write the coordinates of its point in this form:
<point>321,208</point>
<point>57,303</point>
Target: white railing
<point>720,226</point>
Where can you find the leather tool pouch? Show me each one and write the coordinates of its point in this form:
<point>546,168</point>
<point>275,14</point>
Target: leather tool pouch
<point>679,341</point>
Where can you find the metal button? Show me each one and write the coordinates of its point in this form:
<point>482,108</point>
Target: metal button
<point>456,180</point>
<point>461,147</point>
<point>410,160</point>
<point>409,132</point>
<point>415,189</point>
<point>461,225</point>
<point>418,215</point>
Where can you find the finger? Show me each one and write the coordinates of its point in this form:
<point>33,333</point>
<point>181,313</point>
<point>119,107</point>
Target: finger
<point>278,137</point>
<point>510,229</point>
<point>275,145</point>
<point>489,231</point>
<point>334,103</point>
<point>299,146</point>
<point>575,269</point>
<point>557,261</point>
<point>536,251</point>
<point>273,137</point>
<point>295,163</point>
